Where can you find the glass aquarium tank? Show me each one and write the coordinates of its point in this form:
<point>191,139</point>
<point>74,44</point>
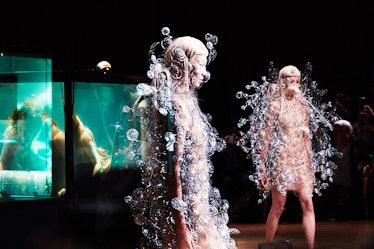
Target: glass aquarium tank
<point>67,131</point>
<point>25,126</point>
<point>107,110</point>
<point>107,134</point>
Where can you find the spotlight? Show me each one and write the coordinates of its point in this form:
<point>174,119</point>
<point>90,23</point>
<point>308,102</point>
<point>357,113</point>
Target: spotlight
<point>103,65</point>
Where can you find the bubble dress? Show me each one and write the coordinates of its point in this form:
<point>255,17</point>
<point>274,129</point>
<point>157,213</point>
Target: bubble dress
<point>172,116</point>
<point>289,164</point>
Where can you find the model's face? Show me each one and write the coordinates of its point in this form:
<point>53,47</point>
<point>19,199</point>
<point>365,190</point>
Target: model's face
<point>293,84</point>
<point>292,80</point>
<point>199,72</point>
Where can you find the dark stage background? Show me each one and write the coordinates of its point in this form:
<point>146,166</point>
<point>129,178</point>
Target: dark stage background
<point>337,37</point>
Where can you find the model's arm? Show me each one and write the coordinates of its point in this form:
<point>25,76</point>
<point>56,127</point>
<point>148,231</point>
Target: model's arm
<point>266,135</point>
<point>308,142</point>
<point>184,238</point>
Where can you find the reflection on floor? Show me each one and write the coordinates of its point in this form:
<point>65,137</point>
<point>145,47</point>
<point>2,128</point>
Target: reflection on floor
<point>329,235</point>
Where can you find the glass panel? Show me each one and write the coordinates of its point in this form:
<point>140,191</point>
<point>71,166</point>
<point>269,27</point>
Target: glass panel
<point>106,132</point>
<point>58,140</point>
<point>25,125</point>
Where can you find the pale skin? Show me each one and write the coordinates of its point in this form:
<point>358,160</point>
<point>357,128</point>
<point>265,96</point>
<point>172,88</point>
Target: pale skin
<point>184,237</point>
<point>58,143</point>
<point>292,84</point>
<point>88,145</point>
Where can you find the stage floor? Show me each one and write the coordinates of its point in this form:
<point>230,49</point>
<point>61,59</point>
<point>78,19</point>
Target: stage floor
<point>329,234</point>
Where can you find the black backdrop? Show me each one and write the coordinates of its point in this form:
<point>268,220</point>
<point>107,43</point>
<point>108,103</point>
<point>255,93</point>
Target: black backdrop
<point>335,36</point>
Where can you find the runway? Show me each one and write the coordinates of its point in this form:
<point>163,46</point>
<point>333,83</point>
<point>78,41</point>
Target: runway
<point>329,235</point>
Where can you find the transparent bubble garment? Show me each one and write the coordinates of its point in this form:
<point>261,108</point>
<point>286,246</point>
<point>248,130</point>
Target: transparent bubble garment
<point>173,115</point>
<point>286,163</point>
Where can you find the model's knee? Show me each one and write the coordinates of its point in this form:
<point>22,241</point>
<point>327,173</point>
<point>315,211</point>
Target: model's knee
<point>277,210</point>
<point>307,205</point>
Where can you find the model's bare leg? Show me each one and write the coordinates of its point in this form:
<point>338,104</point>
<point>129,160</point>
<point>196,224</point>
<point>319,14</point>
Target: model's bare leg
<point>308,221</point>
<point>277,206</point>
